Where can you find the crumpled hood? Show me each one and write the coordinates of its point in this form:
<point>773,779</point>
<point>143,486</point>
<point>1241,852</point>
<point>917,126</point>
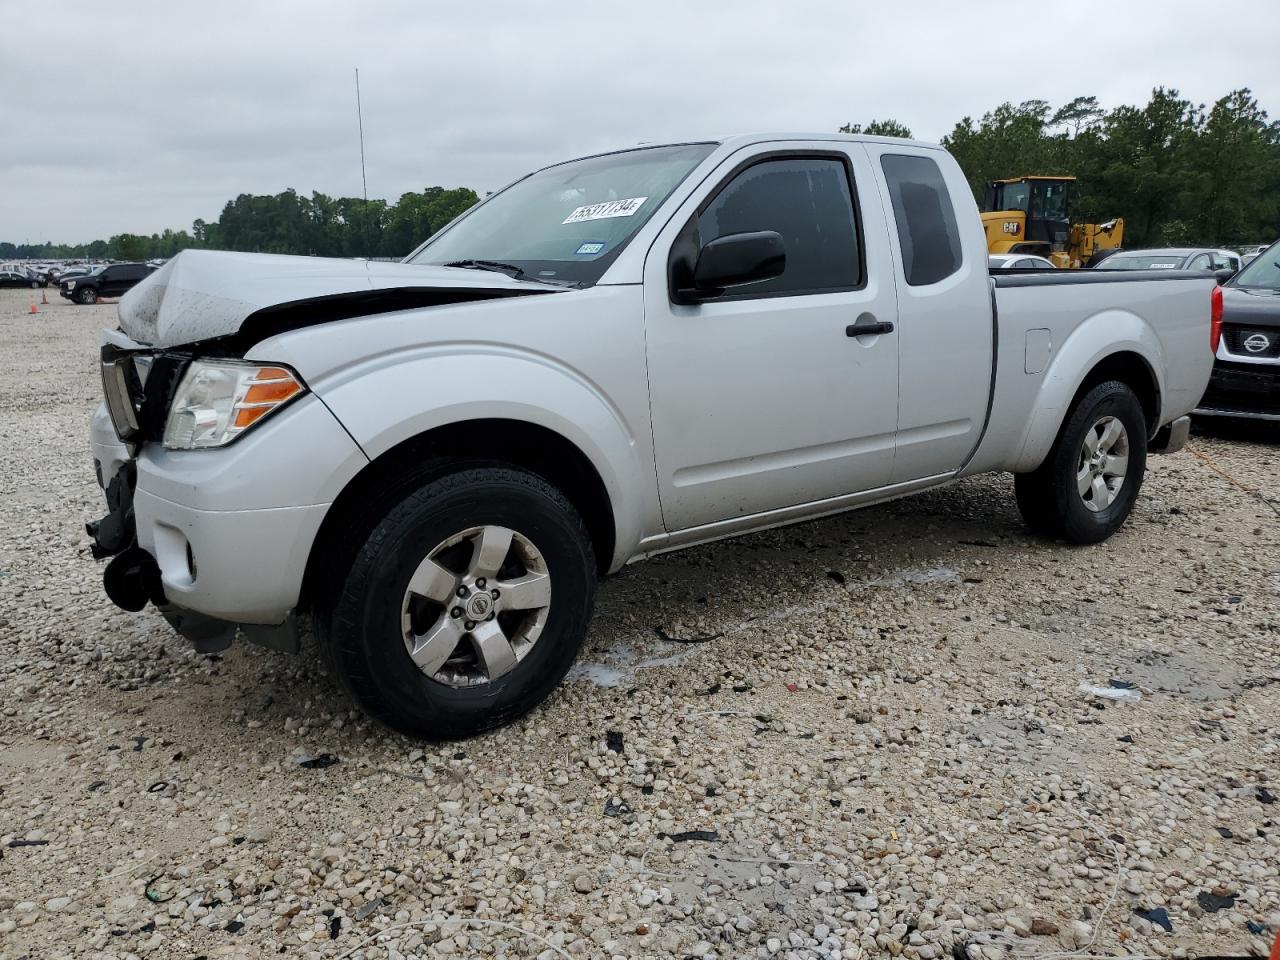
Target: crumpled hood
<point>201,295</point>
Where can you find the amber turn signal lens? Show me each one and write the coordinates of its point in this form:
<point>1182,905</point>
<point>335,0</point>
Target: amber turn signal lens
<point>276,392</point>
<point>248,416</point>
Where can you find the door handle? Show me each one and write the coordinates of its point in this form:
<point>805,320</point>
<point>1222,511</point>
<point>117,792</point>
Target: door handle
<point>868,326</point>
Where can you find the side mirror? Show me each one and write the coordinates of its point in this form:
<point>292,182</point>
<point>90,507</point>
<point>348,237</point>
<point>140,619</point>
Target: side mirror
<point>1224,274</point>
<point>735,260</point>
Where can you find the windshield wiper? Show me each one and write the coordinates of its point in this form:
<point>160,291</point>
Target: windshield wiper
<point>497,266</point>
<point>510,269</point>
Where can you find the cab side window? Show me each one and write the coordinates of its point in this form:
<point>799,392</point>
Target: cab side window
<point>809,202</point>
<point>925,216</point>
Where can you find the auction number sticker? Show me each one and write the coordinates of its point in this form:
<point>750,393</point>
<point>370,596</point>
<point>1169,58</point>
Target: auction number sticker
<point>606,210</point>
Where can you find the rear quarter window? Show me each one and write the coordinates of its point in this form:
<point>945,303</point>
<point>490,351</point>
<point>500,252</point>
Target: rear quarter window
<point>925,217</point>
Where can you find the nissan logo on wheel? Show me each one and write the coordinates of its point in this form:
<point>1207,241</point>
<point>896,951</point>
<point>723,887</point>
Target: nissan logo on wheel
<point>1256,343</point>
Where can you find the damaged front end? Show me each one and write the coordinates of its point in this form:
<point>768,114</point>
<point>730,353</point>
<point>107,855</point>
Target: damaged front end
<point>138,387</point>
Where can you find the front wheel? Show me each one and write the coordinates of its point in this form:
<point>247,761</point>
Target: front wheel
<point>466,604</point>
<point>1087,485</point>
<point>87,295</point>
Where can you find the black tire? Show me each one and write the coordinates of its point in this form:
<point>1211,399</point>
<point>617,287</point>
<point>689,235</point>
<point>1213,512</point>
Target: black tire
<point>1048,497</point>
<point>362,629</point>
<point>87,295</point>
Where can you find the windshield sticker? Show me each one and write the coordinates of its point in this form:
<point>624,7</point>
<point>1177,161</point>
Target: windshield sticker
<point>590,248</point>
<point>1164,266</point>
<point>606,210</point>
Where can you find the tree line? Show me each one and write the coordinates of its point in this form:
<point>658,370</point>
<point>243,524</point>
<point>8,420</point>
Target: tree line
<point>287,222</point>
<point>1177,172</point>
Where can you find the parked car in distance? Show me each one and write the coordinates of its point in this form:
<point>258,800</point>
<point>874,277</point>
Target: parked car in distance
<point>614,357</point>
<point>1246,368</point>
<point>1018,261</point>
<point>1224,263</point>
<point>15,278</point>
<point>109,281</point>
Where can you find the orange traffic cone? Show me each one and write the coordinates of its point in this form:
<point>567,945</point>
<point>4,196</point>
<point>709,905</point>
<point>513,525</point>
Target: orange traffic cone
<point>44,299</point>
<point>33,306</point>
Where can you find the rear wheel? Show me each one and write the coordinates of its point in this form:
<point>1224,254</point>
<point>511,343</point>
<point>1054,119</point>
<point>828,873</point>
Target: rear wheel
<point>466,604</point>
<point>1087,485</point>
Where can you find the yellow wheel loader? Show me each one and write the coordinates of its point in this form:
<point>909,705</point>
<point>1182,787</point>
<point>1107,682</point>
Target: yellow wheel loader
<point>1032,215</point>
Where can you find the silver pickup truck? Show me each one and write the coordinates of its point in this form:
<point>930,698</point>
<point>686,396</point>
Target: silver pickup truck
<point>621,355</point>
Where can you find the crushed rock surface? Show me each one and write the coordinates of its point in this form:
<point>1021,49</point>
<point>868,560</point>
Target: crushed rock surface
<point>864,736</point>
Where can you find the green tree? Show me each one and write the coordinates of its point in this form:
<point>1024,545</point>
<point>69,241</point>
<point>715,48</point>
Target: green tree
<point>1234,173</point>
<point>879,128</point>
<point>127,246</point>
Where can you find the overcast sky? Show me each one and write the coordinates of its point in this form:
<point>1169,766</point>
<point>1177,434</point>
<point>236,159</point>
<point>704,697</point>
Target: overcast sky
<point>133,117</point>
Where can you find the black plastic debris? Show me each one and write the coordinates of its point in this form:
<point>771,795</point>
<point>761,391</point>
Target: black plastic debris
<point>460,755</point>
<point>613,740</point>
<point>1127,738</point>
<point>138,742</point>
<point>27,843</point>
<point>152,895</point>
<point>714,688</point>
<point>97,785</point>
<point>836,576</point>
<point>1254,927</point>
<point>318,763</point>
<point>235,926</point>
<point>741,687</point>
<point>158,786</point>
<point>1159,916</point>
<point>1265,796</point>
<point>707,638</point>
<point>619,808</point>
<point>709,836</point>
<point>335,927</point>
<point>1121,685</point>
<point>1224,833</point>
<point>1212,902</point>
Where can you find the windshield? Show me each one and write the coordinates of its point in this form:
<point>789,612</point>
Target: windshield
<point>1049,200</point>
<point>567,223</point>
<point>1148,261</point>
<point>1012,196</point>
<point>1263,273</point>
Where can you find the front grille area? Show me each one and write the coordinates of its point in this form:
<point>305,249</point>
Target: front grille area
<point>139,388</point>
<point>1243,387</point>
<point>1237,337</point>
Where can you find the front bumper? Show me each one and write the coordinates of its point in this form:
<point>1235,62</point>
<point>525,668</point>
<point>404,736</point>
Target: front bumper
<point>221,538</point>
<point>1248,390</point>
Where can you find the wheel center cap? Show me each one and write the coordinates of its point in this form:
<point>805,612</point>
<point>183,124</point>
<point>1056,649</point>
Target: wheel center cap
<point>479,606</point>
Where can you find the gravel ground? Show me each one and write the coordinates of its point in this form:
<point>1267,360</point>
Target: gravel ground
<point>856,737</point>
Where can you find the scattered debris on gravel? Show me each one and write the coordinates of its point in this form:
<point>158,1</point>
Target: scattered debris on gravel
<point>880,733</point>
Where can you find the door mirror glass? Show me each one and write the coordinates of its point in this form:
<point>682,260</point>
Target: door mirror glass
<point>735,260</point>
<point>1224,274</point>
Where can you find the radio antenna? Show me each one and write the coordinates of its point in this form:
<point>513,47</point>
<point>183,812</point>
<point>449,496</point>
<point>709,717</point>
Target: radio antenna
<point>364,182</point>
<point>360,120</point>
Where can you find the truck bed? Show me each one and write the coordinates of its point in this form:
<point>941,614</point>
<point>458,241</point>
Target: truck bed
<point>1050,324</point>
